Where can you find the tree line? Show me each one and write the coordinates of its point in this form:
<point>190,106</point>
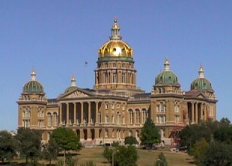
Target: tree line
<point>210,143</point>
<point>26,144</point>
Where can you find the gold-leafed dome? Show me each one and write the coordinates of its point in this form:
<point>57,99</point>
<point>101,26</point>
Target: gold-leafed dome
<point>115,47</point>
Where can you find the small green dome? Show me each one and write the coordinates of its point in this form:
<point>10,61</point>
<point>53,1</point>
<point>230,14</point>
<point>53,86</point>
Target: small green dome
<point>33,87</point>
<point>167,77</point>
<point>201,83</point>
<point>70,89</point>
<point>73,85</point>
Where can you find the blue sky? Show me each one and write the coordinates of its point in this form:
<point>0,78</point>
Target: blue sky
<point>56,38</point>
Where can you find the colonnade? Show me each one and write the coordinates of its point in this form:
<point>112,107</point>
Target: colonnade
<point>115,76</point>
<point>197,112</point>
<point>79,113</point>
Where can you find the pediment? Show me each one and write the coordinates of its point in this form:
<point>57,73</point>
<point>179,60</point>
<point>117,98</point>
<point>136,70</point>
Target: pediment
<point>78,93</point>
<point>201,96</point>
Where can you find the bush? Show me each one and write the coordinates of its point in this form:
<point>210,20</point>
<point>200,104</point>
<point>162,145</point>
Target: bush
<point>130,140</point>
<point>115,144</point>
<point>161,161</point>
<point>108,154</point>
<point>126,156</point>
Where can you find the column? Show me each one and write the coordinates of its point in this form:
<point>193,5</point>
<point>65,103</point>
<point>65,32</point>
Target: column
<point>82,107</point>
<point>141,117</point>
<point>96,114</point>
<point>89,134</point>
<point>81,134</point>
<point>201,112</point>
<point>103,115</point>
<point>75,113</point>
<point>96,130</point>
<point>60,107</point>
<point>110,132</point>
<point>67,116</point>
<point>134,112</point>
<point>192,120</point>
<point>89,113</point>
<point>205,112</point>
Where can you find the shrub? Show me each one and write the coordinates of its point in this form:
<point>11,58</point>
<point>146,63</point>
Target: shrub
<point>130,140</point>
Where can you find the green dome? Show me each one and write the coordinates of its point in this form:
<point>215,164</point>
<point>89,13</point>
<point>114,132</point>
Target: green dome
<point>73,85</point>
<point>201,84</point>
<point>167,78</point>
<point>70,89</point>
<point>33,87</point>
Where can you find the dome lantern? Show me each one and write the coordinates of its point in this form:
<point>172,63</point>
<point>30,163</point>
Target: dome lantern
<point>201,72</point>
<point>73,82</point>
<point>166,65</point>
<point>33,76</point>
<point>115,31</point>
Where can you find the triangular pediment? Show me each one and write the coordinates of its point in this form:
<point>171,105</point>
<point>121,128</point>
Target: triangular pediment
<point>78,93</point>
<point>201,96</point>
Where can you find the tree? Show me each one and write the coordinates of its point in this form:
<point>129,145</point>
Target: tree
<point>218,154</point>
<point>161,161</point>
<point>193,133</point>
<point>199,149</point>
<point>29,143</point>
<point>8,146</point>
<point>108,153</point>
<point>130,140</point>
<point>121,155</point>
<point>149,134</point>
<point>66,140</point>
<point>224,122</point>
<point>50,151</point>
<point>224,134</point>
<point>126,156</point>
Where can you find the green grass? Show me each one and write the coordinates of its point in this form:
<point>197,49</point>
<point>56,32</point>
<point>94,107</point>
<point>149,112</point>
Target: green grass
<point>146,157</point>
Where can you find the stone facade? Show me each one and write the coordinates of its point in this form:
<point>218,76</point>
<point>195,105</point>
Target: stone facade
<point>116,108</point>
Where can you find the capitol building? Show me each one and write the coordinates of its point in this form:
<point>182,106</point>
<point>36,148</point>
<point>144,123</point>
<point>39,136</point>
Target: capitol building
<point>116,108</point>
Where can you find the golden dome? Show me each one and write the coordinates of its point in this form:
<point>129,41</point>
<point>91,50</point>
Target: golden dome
<point>115,47</point>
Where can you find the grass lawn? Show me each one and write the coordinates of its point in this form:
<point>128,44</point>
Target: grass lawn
<point>146,157</point>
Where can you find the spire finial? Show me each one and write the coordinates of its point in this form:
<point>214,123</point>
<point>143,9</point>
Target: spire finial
<point>33,75</point>
<point>73,81</point>
<point>115,31</point>
<point>201,72</point>
<point>166,65</point>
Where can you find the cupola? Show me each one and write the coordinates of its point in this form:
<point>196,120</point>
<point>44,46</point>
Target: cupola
<point>201,83</point>
<point>73,85</point>
<point>167,77</point>
<point>33,86</point>
<point>115,47</point>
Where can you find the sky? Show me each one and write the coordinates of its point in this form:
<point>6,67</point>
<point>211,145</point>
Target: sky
<point>55,38</point>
